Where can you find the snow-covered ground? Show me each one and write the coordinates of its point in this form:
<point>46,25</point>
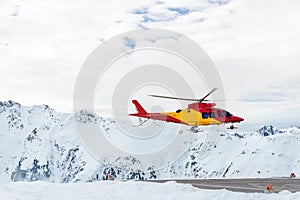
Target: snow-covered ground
<point>113,190</point>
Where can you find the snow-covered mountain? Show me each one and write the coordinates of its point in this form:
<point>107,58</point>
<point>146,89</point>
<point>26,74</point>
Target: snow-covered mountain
<point>38,143</point>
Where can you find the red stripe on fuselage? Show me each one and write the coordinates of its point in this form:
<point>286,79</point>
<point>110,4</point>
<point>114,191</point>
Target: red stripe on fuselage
<point>159,116</point>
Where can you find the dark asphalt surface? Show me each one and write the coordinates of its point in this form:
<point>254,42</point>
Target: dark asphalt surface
<point>249,185</point>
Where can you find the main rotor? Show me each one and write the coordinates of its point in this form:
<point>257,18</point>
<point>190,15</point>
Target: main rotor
<point>186,99</point>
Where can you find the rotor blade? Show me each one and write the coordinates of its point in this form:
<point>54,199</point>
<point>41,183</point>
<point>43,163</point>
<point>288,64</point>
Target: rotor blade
<point>208,94</point>
<point>167,97</point>
<point>222,100</point>
<point>185,99</point>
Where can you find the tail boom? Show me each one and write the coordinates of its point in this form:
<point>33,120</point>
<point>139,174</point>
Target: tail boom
<point>141,112</point>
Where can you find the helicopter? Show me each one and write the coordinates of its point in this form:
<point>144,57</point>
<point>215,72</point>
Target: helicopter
<point>200,113</point>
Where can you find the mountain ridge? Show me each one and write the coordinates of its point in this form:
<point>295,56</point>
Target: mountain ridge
<point>38,143</point>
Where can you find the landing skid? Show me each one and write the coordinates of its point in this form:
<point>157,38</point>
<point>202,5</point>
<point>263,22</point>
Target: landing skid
<point>195,129</point>
<point>141,123</point>
<point>232,127</point>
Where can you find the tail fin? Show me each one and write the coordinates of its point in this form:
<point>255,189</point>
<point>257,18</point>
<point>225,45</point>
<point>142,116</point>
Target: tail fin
<point>139,108</point>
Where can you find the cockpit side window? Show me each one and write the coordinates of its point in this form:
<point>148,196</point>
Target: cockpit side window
<point>178,111</point>
<point>204,115</point>
<point>211,114</point>
<point>220,114</point>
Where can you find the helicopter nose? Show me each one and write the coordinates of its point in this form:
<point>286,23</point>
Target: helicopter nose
<point>238,119</point>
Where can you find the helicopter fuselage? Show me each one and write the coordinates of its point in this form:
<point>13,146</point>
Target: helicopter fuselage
<point>196,114</point>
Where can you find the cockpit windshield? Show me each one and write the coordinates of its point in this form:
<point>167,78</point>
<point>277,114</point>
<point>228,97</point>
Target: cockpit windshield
<point>227,114</point>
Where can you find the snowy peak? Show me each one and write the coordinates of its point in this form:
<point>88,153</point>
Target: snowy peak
<point>268,130</point>
<point>85,116</point>
<point>38,143</point>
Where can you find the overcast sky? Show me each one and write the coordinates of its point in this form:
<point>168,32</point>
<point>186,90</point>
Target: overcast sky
<point>255,45</point>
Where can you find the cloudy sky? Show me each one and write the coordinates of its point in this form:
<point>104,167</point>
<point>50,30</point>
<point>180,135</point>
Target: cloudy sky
<point>255,45</point>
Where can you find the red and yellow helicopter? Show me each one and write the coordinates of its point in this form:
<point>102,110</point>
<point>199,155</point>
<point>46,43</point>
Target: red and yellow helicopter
<point>196,114</point>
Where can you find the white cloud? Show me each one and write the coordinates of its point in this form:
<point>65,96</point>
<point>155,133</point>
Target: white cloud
<point>254,44</point>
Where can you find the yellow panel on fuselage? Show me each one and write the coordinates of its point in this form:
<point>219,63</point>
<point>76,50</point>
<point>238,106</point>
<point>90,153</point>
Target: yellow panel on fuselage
<point>192,117</point>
